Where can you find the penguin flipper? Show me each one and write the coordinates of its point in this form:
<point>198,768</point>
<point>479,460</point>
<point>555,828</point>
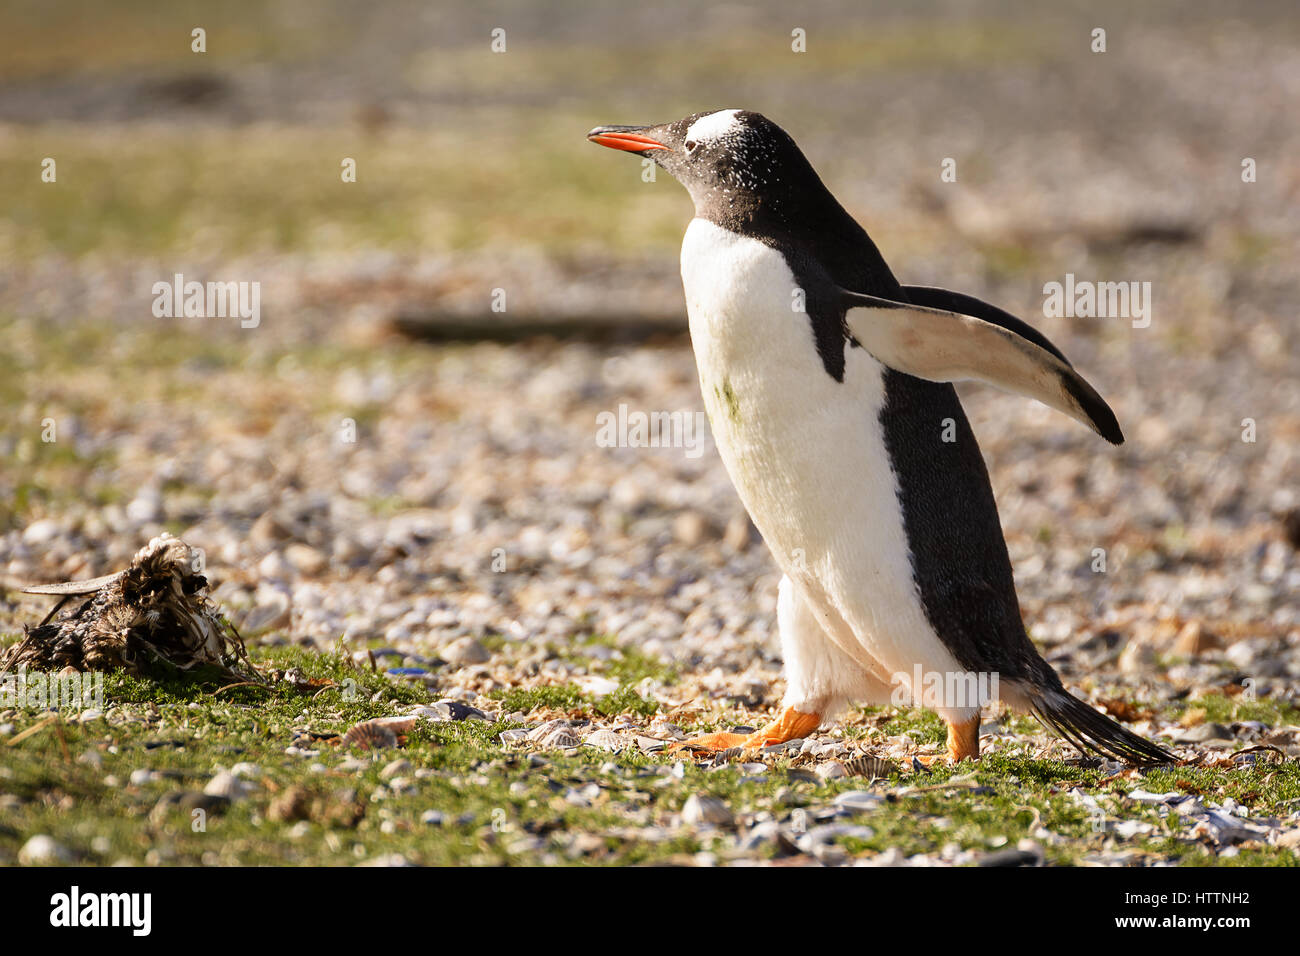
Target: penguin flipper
<point>932,297</point>
<point>940,345</point>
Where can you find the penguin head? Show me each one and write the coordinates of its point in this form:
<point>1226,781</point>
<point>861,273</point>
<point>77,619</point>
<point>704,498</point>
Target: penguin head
<point>734,160</point>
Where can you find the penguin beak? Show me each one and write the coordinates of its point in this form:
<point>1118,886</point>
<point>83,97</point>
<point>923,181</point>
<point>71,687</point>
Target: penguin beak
<point>624,137</point>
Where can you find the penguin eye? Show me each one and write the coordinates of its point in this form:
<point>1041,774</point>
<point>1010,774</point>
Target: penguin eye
<point>691,145</point>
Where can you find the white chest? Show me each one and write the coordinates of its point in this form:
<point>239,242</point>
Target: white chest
<point>790,435</point>
<point>805,452</point>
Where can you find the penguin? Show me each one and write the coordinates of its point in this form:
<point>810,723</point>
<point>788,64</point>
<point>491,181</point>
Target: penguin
<point>828,387</point>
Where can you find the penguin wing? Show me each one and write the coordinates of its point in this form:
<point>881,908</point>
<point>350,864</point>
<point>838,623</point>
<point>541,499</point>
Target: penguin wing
<point>940,345</point>
<point>933,297</point>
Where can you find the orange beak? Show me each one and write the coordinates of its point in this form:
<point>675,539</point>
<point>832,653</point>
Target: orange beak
<point>619,137</point>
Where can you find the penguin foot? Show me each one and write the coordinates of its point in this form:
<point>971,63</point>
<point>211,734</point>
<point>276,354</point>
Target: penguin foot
<point>713,743</point>
<point>964,739</point>
<point>788,726</point>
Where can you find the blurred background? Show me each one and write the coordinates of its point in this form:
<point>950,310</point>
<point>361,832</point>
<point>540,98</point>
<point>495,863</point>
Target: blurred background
<point>474,501</point>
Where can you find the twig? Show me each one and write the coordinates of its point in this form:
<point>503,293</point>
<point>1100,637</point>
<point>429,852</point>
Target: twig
<point>246,683</point>
<point>1250,750</point>
<point>55,610</point>
<point>31,731</point>
<point>63,741</point>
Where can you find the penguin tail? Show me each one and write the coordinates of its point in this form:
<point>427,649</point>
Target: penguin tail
<point>1091,731</point>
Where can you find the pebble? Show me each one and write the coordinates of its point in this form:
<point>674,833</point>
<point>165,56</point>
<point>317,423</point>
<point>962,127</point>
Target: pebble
<point>186,801</point>
<point>465,651</point>
<point>596,686</point>
<point>1025,853</point>
<point>41,532</point>
<point>1194,639</point>
<point>305,559</point>
<point>827,833</point>
<point>42,849</point>
<point>1202,733</point>
<point>767,833</point>
<point>226,784</point>
<point>706,810</point>
<point>456,710</point>
<point>584,796</point>
<point>858,800</point>
<point>1137,659</point>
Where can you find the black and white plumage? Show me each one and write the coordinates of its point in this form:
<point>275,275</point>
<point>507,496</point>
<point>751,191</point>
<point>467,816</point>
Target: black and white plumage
<point>827,385</point>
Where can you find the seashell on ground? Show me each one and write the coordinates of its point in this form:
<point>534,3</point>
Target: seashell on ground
<point>398,725</point>
<point>607,740</point>
<point>870,767</point>
<point>542,731</point>
<point>370,735</point>
<point>561,738</point>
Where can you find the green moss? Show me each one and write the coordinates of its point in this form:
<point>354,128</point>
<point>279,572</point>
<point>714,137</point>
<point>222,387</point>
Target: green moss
<point>557,696</point>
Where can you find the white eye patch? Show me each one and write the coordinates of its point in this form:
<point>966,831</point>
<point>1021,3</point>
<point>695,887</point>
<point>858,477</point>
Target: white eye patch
<point>714,126</point>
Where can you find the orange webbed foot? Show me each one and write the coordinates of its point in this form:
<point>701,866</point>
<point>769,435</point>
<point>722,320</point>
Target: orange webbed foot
<point>964,740</point>
<point>711,743</point>
<point>790,725</point>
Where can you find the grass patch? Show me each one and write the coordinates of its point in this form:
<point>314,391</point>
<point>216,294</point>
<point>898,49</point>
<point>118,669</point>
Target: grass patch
<point>168,191</point>
<point>102,789</point>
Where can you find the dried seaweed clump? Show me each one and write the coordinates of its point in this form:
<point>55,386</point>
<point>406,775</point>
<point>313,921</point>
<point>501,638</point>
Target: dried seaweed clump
<point>154,611</point>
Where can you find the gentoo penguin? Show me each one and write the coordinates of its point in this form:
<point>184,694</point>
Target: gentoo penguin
<point>827,385</point>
